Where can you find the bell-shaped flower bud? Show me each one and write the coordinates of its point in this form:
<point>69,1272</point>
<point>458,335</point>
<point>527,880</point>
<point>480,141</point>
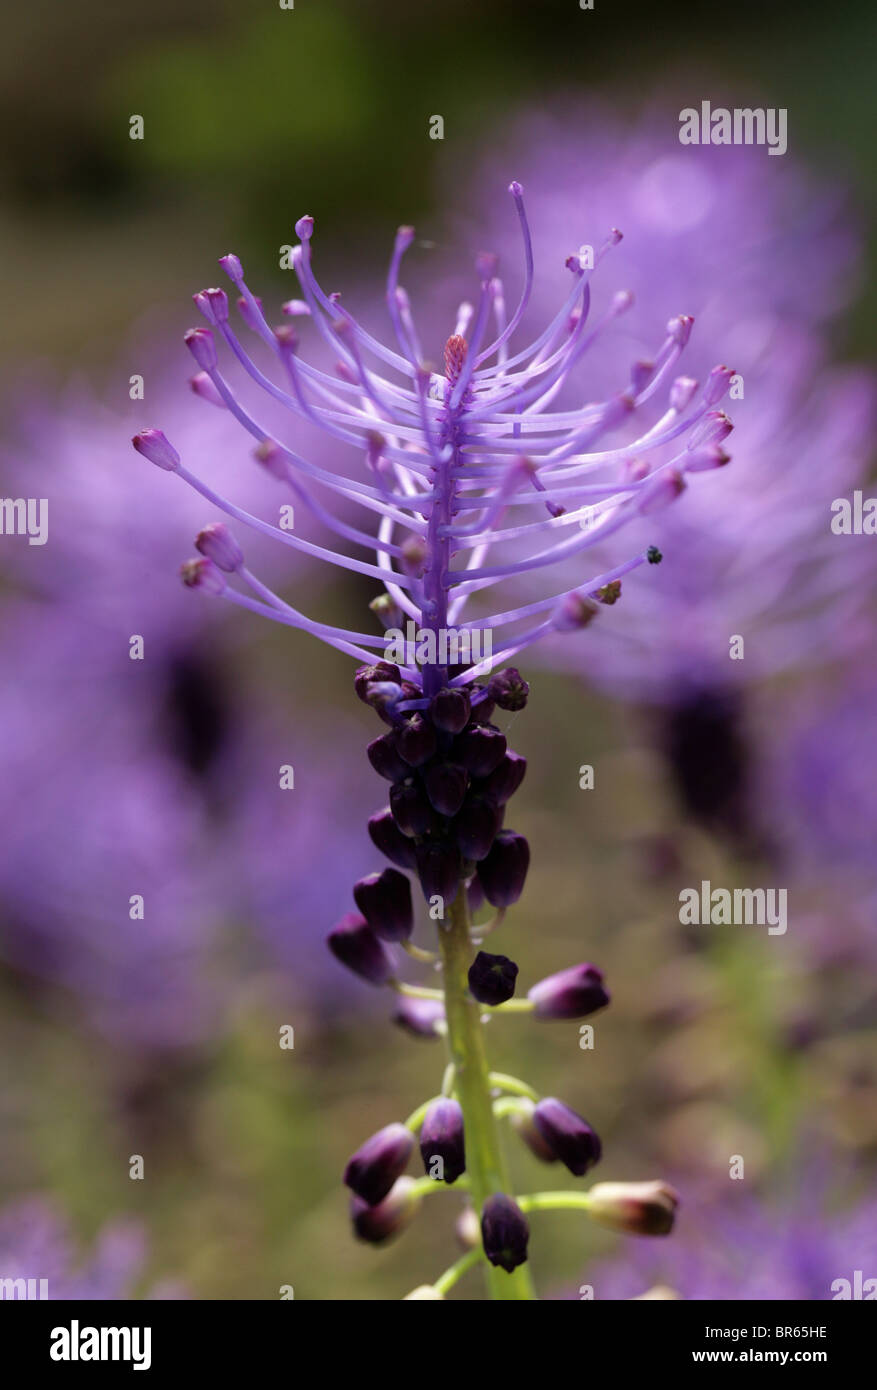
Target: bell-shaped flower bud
<point>415,740</point>
<point>508,689</point>
<point>439,866</point>
<point>522,1123</point>
<point>492,978</point>
<point>505,1232</point>
<point>503,871</point>
<point>384,900</point>
<point>449,710</point>
<point>354,943</point>
<point>388,838</point>
<point>384,758</point>
<point>568,1135</point>
<point>441,1141</point>
<point>377,671</point>
<point>572,993</point>
<point>411,809</point>
<point>383,1158</point>
<point>480,749</point>
<point>477,826</point>
<point>505,779</point>
<point>446,785</point>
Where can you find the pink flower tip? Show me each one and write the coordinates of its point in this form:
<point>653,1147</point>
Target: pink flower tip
<point>232,267</point>
<point>153,445</point>
<point>304,228</point>
<point>217,544</point>
<point>200,343</point>
<point>213,304</point>
<point>202,574</point>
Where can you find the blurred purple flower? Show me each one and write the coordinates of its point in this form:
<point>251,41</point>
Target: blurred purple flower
<point>748,1248</point>
<point>36,1243</point>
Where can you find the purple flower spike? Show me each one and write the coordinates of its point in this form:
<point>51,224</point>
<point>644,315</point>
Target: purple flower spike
<point>505,1232</point>
<point>492,978</point>
<point>504,869</point>
<point>355,944</point>
<point>572,993</point>
<point>384,900</point>
<point>441,1138</point>
<point>568,1135</point>
<point>383,1158</point>
<point>388,1218</point>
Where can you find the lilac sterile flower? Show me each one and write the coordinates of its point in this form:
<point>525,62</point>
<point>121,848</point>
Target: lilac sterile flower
<point>471,474</point>
<point>383,1158</point>
<point>505,1232</point>
<point>571,993</point>
<point>568,1135</point>
<point>492,978</point>
<point>441,1138</point>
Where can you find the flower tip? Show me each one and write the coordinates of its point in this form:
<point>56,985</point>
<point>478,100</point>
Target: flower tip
<point>200,343</point>
<point>682,392</point>
<point>202,385</point>
<point>218,544</point>
<point>304,228</point>
<point>201,573</point>
<point>661,490</point>
<point>516,189</point>
<point>295,308</point>
<point>404,238</point>
<point>232,267</point>
<point>153,445</point>
<point>680,328</point>
<point>720,379</point>
<point>615,235</point>
<point>213,304</point>
<point>287,338</point>
<point>486,265</point>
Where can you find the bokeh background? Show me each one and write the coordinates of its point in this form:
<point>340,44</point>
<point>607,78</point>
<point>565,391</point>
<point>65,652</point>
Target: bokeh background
<point>159,1037</point>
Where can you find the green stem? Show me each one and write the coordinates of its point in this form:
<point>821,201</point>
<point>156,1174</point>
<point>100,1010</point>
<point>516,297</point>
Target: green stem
<point>485,1163</point>
<point>555,1201</point>
<point>457,1270</point>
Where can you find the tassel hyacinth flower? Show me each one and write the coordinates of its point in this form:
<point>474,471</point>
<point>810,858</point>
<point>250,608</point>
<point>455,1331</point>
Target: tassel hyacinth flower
<point>461,478</point>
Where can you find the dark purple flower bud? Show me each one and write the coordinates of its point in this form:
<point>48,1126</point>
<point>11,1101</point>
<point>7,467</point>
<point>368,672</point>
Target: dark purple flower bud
<point>476,827</point>
<point>390,1217</point>
<point>378,671</point>
<point>383,1158</point>
<point>504,869</point>
<point>446,785</point>
<point>439,867</point>
<point>492,978</point>
<point>385,759</point>
<point>508,689</point>
<point>505,779</point>
<point>384,900</point>
<point>504,1232</point>
<point>449,710</point>
<point>480,749</point>
<point>415,740</point>
<point>522,1123</point>
<point>410,806</point>
<point>571,1137</point>
<point>572,993</point>
<point>153,445</point>
<point>441,1137</point>
<point>354,943</point>
<point>220,546</point>
<point>388,838</point>
<point>419,1017</point>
